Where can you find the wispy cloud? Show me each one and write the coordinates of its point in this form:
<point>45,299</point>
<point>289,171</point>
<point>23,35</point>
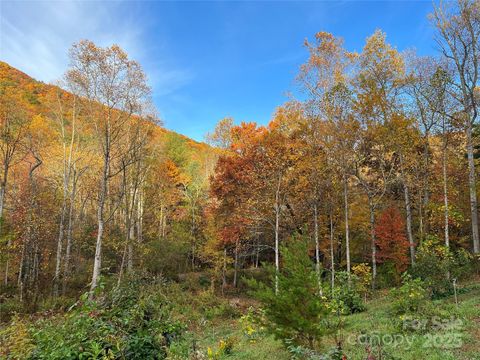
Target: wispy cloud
<point>35,37</point>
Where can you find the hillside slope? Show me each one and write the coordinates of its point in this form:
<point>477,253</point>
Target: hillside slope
<point>32,93</point>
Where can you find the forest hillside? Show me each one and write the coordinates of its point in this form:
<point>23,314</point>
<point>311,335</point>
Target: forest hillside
<point>344,228</point>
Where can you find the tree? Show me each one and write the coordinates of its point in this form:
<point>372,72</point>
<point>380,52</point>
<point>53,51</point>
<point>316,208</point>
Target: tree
<point>324,77</point>
<point>34,232</point>
<point>275,167</point>
<point>373,172</point>
<point>13,129</point>
<point>402,139</point>
<point>313,179</point>
<point>342,136</point>
<point>113,89</point>
<point>134,172</point>
<point>441,104</point>
<point>305,324</point>
<point>378,87</point>
<point>391,239</point>
<point>234,207</point>
<point>222,135</point>
<point>65,107</point>
<point>458,36</point>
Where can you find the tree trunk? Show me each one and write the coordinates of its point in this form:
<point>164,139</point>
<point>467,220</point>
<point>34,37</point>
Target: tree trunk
<point>122,265</point>
<point>3,189</point>
<point>100,227</point>
<point>235,266</point>
<point>224,270</point>
<point>473,189</point>
<point>373,243</point>
<point>425,195</point>
<point>30,253</point>
<point>408,210</point>
<point>332,257</point>
<point>130,239</point>
<point>193,229</point>
<point>2,198</point>
<point>277,233</point>
<point>420,218</point>
<point>426,190</point>
<point>61,233</point>
<point>317,250</point>
<point>445,191</point>
<point>68,250</point>
<point>347,227</point>
<point>161,232</point>
<point>164,226</point>
<point>257,253</point>
<point>139,199</point>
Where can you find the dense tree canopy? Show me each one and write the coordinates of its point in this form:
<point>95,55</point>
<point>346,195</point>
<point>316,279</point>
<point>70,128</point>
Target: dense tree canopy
<point>373,165</point>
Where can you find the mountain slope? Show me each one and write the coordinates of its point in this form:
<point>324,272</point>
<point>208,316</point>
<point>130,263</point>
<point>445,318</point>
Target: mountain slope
<point>32,94</point>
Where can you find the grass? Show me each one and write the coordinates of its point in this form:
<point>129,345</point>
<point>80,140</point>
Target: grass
<point>215,321</point>
<point>462,343</point>
<point>265,347</point>
<point>433,345</point>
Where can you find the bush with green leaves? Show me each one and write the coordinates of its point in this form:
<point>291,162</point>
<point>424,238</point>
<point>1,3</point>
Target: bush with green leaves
<point>438,265</point>
<point>348,292</point>
<point>251,328</point>
<point>8,308</point>
<point>411,297</point>
<point>296,313</point>
<point>125,323</point>
<point>364,273</point>
<point>410,300</point>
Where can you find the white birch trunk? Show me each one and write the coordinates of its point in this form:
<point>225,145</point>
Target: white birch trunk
<point>277,233</point>
<point>473,190</point>
<point>347,225</point>
<point>332,257</point>
<point>317,250</point>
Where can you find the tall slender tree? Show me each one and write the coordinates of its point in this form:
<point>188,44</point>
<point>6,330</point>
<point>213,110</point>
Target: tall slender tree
<point>458,36</point>
<point>113,88</point>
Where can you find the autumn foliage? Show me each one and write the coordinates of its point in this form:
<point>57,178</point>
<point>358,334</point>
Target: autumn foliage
<point>391,238</point>
<point>89,178</point>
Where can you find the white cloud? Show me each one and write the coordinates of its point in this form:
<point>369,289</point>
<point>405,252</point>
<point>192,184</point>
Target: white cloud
<point>35,37</point>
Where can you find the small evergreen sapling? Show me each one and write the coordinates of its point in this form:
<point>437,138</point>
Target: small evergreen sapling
<point>297,314</point>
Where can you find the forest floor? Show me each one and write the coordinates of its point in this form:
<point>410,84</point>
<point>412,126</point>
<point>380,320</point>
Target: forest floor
<point>219,327</point>
<point>455,337</point>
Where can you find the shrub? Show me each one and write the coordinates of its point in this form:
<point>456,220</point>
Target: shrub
<point>59,303</point>
<point>411,297</point>
<point>348,293</point>
<point>363,272</point>
<point>409,301</point>
<point>476,264</point>
<point>129,322</point>
<point>437,265</point>
<point>251,328</point>
<point>9,307</point>
<point>387,276</point>
<point>462,264</point>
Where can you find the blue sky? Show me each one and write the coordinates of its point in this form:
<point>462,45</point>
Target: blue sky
<point>205,60</point>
